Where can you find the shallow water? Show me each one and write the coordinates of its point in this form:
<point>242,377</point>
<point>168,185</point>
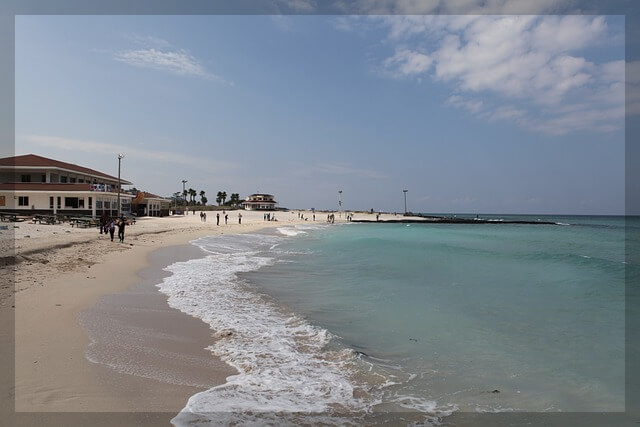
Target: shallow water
<point>432,319</point>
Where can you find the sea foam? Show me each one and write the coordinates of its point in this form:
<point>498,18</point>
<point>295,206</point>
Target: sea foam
<point>282,361</point>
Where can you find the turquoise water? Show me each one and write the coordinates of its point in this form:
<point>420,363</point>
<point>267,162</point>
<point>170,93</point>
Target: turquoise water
<point>481,318</point>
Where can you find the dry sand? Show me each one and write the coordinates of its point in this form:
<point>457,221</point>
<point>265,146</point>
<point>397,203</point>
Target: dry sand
<point>59,272</point>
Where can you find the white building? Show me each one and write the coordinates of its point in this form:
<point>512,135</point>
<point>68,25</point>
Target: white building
<point>259,202</point>
<point>33,184</point>
<point>148,204</point>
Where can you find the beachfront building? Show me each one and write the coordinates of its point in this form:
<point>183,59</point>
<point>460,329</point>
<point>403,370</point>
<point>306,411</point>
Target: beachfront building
<point>259,202</point>
<point>148,204</point>
<point>32,184</point>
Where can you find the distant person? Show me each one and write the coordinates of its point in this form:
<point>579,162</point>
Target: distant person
<point>112,228</point>
<point>226,217</point>
<point>121,226</point>
<point>377,217</point>
<point>218,218</point>
<point>314,217</point>
<point>204,216</point>
<point>201,216</point>
<point>103,222</point>
<point>239,218</point>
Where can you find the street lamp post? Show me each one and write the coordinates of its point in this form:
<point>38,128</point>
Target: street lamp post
<point>184,196</point>
<point>340,203</point>
<point>405,201</point>
<point>120,157</point>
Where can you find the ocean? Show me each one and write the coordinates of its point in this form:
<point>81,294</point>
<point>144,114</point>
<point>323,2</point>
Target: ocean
<point>421,321</point>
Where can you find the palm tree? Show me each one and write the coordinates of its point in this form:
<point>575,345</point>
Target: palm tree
<point>224,196</point>
<point>235,199</point>
<point>192,195</point>
<point>184,196</point>
<point>202,198</point>
<point>219,198</point>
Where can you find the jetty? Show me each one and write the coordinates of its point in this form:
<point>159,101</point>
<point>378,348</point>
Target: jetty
<point>452,220</point>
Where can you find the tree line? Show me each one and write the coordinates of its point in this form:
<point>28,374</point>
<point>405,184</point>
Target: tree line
<point>188,198</point>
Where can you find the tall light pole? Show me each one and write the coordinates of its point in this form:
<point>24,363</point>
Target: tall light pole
<point>120,157</point>
<point>405,201</point>
<point>340,203</point>
<point>184,196</point>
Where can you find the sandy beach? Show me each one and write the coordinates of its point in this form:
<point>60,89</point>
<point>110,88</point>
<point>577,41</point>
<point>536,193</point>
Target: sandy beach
<point>61,272</point>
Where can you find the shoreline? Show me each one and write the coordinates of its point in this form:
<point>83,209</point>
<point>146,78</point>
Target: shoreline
<point>58,277</point>
<point>54,286</point>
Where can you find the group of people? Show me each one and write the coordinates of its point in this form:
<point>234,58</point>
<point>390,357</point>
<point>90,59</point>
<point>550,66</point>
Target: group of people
<point>269,217</point>
<point>203,216</point>
<point>226,217</point>
<point>108,225</point>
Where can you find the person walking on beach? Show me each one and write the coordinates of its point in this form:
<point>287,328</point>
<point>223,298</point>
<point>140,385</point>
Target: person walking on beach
<point>112,228</point>
<point>239,218</point>
<point>204,216</point>
<point>121,225</point>
<point>226,217</point>
<point>103,222</point>
<point>218,218</point>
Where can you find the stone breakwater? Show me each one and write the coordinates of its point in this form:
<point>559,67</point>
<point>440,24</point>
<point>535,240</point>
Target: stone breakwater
<point>449,220</point>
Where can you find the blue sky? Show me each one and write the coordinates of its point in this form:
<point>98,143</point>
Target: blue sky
<point>483,114</point>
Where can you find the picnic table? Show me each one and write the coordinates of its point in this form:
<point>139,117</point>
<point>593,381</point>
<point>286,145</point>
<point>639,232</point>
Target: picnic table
<point>44,219</point>
<point>8,216</point>
<point>84,222</point>
<point>13,217</point>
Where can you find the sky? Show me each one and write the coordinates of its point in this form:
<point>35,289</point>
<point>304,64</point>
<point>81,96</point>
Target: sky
<point>470,114</point>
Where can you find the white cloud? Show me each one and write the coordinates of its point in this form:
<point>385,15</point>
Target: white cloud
<point>452,7</point>
<point>88,146</point>
<point>177,62</point>
<point>471,105</point>
<point>536,61</point>
<point>408,63</point>
<point>632,88</point>
<point>299,6</point>
<point>148,41</point>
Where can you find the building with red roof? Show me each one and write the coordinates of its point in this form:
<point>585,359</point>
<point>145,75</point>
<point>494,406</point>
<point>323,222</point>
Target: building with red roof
<point>31,184</point>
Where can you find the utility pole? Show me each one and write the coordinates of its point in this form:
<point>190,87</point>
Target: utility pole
<point>120,157</point>
<point>405,201</point>
<point>184,196</point>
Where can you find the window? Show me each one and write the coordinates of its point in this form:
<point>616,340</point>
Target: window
<point>81,202</point>
<point>90,200</point>
<point>23,201</point>
<point>72,180</point>
<point>80,180</point>
<point>107,204</point>
<point>43,178</point>
<point>59,204</point>
<point>63,179</point>
<point>70,202</point>
<point>98,204</point>
<point>25,178</point>
<point>54,177</point>
<point>51,202</point>
<point>2,200</point>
